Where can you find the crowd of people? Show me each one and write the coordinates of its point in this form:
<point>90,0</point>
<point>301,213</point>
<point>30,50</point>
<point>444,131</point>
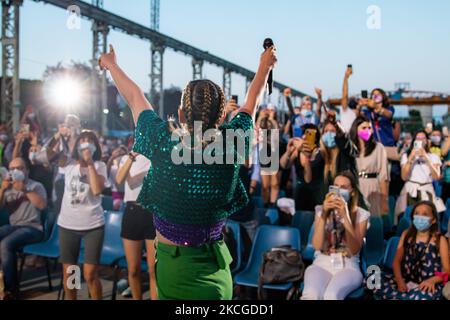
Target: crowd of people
<point>343,165</point>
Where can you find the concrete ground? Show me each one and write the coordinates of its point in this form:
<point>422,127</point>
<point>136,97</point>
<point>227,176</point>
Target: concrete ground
<point>34,284</point>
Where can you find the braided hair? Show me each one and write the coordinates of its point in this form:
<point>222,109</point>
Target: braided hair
<point>203,101</point>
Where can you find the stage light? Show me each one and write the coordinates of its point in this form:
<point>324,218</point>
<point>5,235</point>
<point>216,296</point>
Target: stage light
<point>105,111</point>
<point>65,92</point>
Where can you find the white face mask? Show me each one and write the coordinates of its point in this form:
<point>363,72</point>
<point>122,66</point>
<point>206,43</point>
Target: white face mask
<point>32,156</point>
<point>17,175</point>
<point>86,145</point>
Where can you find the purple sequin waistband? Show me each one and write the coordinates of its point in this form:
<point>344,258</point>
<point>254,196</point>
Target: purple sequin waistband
<point>189,235</point>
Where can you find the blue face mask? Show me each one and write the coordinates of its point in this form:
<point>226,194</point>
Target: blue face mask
<point>422,223</point>
<point>329,139</point>
<point>345,194</point>
<point>307,113</point>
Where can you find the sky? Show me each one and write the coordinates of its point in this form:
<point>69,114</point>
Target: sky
<point>315,40</point>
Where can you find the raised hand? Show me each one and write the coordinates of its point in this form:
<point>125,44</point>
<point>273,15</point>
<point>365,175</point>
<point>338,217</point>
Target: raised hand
<point>287,92</point>
<point>318,91</point>
<point>5,184</point>
<point>231,106</point>
<point>348,72</point>
<point>107,59</point>
<point>269,58</point>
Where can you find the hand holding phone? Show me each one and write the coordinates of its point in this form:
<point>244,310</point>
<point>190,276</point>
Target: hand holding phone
<point>310,137</point>
<point>365,94</point>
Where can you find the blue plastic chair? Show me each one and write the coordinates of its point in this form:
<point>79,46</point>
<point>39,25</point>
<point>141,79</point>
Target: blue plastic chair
<point>48,249</point>
<point>236,229</point>
<point>392,203</point>
<point>303,220</point>
<point>107,203</point>
<point>358,294</point>
<point>374,247</point>
<point>309,251</point>
<point>258,201</point>
<point>437,188</point>
<point>408,212</point>
<point>445,217</point>
<point>391,250</point>
<point>267,237</point>
<point>403,225</point>
<point>273,216</point>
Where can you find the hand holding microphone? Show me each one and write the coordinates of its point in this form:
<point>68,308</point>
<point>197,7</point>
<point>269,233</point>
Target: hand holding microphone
<point>269,59</point>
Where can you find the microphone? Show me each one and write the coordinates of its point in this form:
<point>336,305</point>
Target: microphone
<point>267,44</point>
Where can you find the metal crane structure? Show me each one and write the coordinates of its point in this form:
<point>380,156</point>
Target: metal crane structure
<point>157,61</point>
<point>10,84</point>
<point>99,83</point>
<point>103,21</point>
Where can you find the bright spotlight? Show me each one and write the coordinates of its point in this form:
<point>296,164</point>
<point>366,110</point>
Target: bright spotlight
<point>105,111</point>
<point>65,92</point>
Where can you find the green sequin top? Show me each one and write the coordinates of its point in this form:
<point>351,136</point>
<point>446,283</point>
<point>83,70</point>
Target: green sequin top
<point>190,194</point>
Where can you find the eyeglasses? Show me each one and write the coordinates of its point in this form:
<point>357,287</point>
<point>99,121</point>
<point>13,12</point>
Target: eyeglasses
<point>17,168</point>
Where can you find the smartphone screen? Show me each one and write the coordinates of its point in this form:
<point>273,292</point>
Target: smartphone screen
<point>334,189</point>
<point>365,94</point>
<point>25,128</point>
<point>310,137</point>
<point>236,99</point>
<point>417,145</point>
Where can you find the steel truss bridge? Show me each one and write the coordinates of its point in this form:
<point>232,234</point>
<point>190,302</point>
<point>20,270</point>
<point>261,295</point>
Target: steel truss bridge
<point>102,22</point>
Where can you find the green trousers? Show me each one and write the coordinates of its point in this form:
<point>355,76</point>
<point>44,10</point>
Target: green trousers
<point>194,273</point>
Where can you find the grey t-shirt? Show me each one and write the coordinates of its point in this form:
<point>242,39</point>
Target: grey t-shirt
<point>25,214</point>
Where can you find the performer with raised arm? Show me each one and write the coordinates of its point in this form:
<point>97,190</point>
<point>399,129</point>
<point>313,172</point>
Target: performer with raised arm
<point>190,202</point>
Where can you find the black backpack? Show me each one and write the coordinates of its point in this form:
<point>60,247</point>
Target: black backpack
<point>281,265</point>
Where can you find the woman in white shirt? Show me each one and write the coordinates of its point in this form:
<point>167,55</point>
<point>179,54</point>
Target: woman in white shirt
<point>339,230</point>
<point>137,223</point>
<point>419,168</point>
<point>81,216</point>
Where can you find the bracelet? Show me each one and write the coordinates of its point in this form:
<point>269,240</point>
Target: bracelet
<point>443,275</point>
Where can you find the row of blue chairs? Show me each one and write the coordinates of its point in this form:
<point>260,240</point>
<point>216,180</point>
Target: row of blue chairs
<point>270,236</point>
<point>112,251</point>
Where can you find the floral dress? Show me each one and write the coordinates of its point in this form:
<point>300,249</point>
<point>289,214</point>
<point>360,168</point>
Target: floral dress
<point>421,262</point>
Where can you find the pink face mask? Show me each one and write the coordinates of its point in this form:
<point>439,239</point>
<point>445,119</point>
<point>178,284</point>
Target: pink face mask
<point>365,134</point>
<point>378,98</point>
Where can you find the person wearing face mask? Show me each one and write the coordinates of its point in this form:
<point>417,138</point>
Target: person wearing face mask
<point>81,216</point>
<point>381,114</point>
<point>421,265</point>
<point>270,179</point>
<point>338,152</point>
<point>30,118</point>
<point>372,164</point>
<point>349,109</point>
<point>25,199</point>
<point>308,164</point>
<point>419,169</point>
<point>435,143</point>
<point>339,230</point>
<point>302,115</point>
